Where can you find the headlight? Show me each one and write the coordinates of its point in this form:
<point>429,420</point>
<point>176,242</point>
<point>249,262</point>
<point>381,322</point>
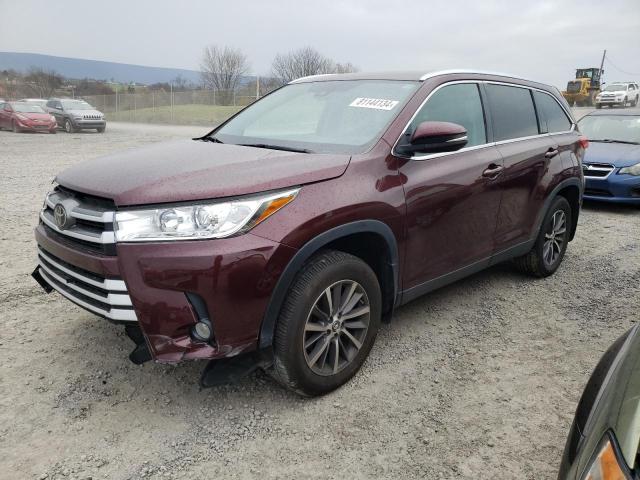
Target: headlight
<point>606,465</point>
<point>213,220</point>
<point>632,170</point>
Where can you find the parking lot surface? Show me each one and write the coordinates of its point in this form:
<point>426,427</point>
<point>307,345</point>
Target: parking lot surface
<point>477,380</point>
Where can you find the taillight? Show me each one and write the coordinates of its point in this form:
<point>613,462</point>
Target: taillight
<point>584,141</point>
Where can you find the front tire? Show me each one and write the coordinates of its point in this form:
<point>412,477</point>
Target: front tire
<point>101,129</point>
<point>68,126</point>
<point>327,325</point>
<point>551,243</point>
<point>15,127</point>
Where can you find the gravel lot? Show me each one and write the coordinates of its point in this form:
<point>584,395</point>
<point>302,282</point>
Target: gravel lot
<point>477,380</point>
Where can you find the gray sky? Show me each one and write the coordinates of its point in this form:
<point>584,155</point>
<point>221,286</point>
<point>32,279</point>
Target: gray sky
<point>541,40</point>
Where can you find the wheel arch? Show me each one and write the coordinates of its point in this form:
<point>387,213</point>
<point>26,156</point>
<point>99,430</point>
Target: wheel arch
<point>571,192</point>
<point>571,189</point>
<point>372,241</point>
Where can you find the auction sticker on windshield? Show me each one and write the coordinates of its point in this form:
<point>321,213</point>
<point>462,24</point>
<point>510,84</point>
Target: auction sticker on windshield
<point>377,103</point>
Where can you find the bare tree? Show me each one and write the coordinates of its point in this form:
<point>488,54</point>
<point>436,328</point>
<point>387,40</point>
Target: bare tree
<point>304,62</point>
<point>222,69</point>
<point>43,82</point>
<point>345,68</point>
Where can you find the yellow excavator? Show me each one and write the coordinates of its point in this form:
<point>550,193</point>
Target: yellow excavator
<point>582,91</point>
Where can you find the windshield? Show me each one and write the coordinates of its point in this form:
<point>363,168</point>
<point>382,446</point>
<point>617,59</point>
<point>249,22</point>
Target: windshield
<point>27,108</point>
<point>614,88</point>
<point>345,116</point>
<point>622,128</point>
<point>76,105</point>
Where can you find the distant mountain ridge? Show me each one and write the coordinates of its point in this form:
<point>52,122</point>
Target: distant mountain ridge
<point>78,68</point>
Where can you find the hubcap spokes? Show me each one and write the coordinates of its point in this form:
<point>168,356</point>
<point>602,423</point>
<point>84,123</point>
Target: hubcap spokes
<point>336,327</point>
<point>554,238</point>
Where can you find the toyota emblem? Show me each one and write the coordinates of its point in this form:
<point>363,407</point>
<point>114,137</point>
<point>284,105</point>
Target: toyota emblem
<point>60,216</point>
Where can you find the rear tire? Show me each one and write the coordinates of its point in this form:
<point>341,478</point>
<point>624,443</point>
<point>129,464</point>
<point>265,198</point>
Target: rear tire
<point>551,243</point>
<point>327,324</point>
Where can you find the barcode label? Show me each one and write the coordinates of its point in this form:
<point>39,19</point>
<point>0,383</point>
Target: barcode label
<point>376,103</point>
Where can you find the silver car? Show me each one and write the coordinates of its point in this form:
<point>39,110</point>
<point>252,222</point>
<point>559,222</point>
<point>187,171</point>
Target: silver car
<point>74,115</point>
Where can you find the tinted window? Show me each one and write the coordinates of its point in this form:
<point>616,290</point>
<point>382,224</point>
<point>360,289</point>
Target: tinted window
<point>512,112</point>
<point>459,103</point>
<point>551,114</point>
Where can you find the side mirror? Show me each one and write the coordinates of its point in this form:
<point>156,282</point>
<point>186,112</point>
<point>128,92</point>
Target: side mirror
<point>435,137</point>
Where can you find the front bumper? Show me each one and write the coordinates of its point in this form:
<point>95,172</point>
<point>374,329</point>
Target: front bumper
<point>234,277</point>
<point>37,127</point>
<point>89,124</point>
<point>614,188</point>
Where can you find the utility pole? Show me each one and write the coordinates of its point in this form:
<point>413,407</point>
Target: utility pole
<point>602,64</point>
<point>257,87</point>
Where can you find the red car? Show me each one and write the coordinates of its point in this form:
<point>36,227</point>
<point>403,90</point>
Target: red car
<point>23,116</point>
<point>283,238</point>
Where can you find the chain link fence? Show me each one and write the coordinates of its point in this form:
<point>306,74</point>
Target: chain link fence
<point>193,107</point>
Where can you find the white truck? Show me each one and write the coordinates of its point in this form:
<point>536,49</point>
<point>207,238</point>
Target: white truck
<point>619,93</point>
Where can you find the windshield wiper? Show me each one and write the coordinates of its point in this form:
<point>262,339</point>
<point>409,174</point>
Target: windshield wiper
<point>276,147</point>
<point>211,139</point>
<point>611,140</point>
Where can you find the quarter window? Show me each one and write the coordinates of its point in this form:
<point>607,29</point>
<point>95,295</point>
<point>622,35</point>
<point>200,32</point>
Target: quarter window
<point>551,114</point>
<point>459,103</point>
<point>512,112</point>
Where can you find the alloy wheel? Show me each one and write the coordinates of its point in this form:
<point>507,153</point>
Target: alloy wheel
<point>336,327</point>
<point>555,238</point>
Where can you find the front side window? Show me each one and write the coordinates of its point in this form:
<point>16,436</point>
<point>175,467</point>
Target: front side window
<point>458,103</point>
<point>512,112</point>
<point>551,114</point>
<point>341,116</point>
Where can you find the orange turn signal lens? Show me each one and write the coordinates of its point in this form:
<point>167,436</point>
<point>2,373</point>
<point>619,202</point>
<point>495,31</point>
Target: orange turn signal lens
<point>273,206</point>
<point>606,465</point>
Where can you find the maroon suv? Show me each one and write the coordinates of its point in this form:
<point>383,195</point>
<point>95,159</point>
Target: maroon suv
<point>283,237</point>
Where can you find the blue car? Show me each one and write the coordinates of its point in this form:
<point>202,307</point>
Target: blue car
<point>612,162</point>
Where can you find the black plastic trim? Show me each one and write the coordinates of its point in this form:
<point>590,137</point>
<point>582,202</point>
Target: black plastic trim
<point>311,247</point>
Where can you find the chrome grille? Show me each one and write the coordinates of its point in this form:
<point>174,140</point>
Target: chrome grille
<point>88,219</point>
<point>597,170</point>
<point>106,297</point>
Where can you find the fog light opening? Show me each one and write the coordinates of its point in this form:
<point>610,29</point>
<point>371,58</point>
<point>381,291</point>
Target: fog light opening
<point>202,331</point>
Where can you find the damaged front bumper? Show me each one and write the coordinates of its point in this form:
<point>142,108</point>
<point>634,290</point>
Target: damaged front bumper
<point>151,288</point>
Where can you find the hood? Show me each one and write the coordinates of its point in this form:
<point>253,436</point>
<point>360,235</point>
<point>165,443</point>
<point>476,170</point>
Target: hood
<point>85,113</point>
<point>36,116</point>
<point>187,170</point>
<point>622,91</point>
<point>618,154</point>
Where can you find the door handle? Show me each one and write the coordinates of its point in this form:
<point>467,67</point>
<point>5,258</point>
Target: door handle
<point>493,170</point>
<point>552,152</point>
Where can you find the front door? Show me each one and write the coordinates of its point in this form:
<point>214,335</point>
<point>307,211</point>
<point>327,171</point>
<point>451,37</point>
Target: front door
<point>452,198</point>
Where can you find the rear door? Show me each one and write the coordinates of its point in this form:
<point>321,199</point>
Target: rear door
<point>452,199</point>
<point>527,156</point>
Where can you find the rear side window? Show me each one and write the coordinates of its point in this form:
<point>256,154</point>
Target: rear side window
<point>459,103</point>
<point>552,116</point>
<point>512,112</point>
